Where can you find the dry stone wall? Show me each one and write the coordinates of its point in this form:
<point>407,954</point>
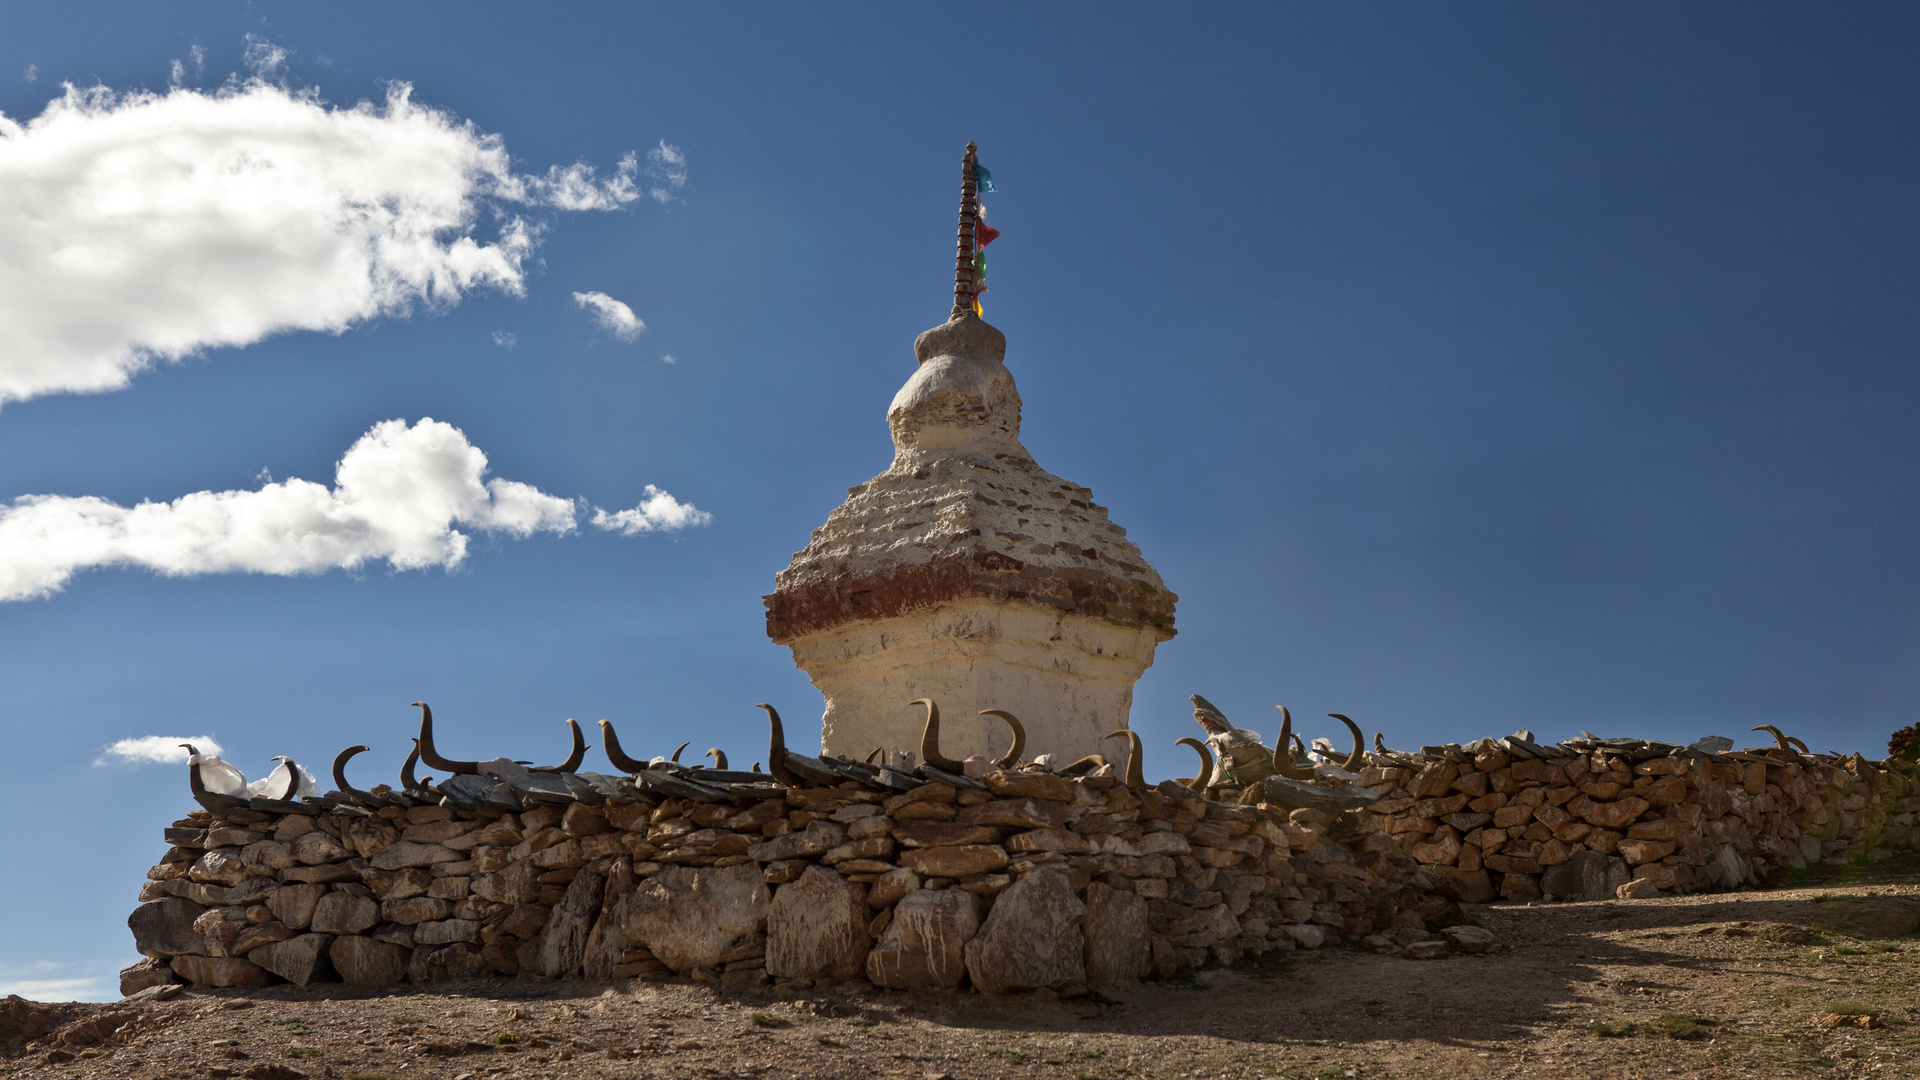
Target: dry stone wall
<point>1588,819</point>
<point>1018,881</point>
<point>1021,881</point>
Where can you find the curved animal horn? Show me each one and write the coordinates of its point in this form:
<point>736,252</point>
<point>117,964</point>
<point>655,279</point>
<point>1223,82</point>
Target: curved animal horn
<point>930,739</point>
<point>874,753</point>
<point>408,782</point>
<point>719,757</point>
<point>340,774</point>
<point>579,753</point>
<point>194,783</point>
<point>756,766</point>
<point>1798,745</point>
<point>1082,765</point>
<point>1200,782</point>
<point>1379,744</point>
<point>1135,764</point>
<point>676,751</point>
<point>1282,758</point>
<point>777,749</point>
<point>1358,759</point>
<point>431,756</point>
<point>1777,736</point>
<point>611,743</point>
<point>1012,756</point>
<point>293,781</point>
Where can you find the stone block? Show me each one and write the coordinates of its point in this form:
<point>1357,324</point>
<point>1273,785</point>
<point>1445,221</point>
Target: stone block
<point>362,961</point>
<point>299,960</point>
<point>1029,785</point>
<point>415,909</point>
<point>954,862</point>
<point>446,932</point>
<point>165,928</point>
<point>688,916</point>
<point>1117,950</point>
<point>344,913</point>
<point>293,904</point>
<point>1586,875</point>
<point>149,971</point>
<point>817,928</point>
<point>924,946</point>
<point>562,946</point>
<point>1033,938</point>
<point>222,971</point>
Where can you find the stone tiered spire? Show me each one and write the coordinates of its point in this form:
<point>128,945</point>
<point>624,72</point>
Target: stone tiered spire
<point>964,281</point>
<point>968,574</point>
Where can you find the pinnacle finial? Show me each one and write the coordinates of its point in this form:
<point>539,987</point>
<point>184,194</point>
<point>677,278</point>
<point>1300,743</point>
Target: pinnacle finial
<point>964,278</point>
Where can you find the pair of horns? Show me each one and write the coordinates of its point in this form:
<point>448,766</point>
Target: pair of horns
<point>1787,742</point>
<point>426,752</point>
<point>1283,764</point>
<point>930,739</point>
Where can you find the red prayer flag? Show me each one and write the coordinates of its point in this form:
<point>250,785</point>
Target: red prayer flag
<point>985,234</point>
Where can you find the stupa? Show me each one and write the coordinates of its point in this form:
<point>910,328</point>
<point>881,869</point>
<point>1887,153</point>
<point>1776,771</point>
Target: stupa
<point>966,573</point>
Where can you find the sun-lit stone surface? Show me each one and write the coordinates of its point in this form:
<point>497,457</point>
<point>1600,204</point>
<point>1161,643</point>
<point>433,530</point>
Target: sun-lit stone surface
<point>968,574</point>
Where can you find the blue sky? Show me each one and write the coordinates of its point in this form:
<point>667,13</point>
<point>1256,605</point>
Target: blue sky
<point>1462,369</point>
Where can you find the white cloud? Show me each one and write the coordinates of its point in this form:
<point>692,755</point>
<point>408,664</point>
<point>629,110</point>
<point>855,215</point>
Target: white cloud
<point>148,227</point>
<point>32,73</point>
<point>611,314</point>
<point>657,512</point>
<point>666,164</point>
<point>398,494</point>
<point>504,339</point>
<point>155,750</point>
<point>668,359</point>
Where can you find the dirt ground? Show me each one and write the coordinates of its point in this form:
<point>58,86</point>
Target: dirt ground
<point>1732,985</point>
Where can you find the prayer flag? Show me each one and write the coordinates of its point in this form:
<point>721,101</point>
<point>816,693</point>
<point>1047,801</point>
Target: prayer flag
<point>985,178</point>
<point>985,234</point>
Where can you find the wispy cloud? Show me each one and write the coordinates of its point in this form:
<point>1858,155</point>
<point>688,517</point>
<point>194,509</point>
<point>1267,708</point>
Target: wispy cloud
<point>667,168</point>
<point>146,227</point>
<point>59,980</point>
<point>504,339</point>
<point>402,494</point>
<point>155,750</point>
<point>32,74</point>
<point>611,314</point>
<point>668,359</point>
<point>657,512</point>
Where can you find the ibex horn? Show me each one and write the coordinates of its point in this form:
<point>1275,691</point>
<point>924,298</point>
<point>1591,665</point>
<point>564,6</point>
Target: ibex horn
<point>1135,763</point>
<point>874,753</point>
<point>194,783</point>
<point>432,757</point>
<point>1282,756</point>
<point>1379,744</point>
<point>408,782</point>
<point>611,743</point>
<point>930,739</point>
<point>1777,736</point>
<point>1802,747</point>
<point>719,757</point>
<point>777,748</point>
<point>676,753</point>
<point>1012,756</point>
<point>578,754</point>
<point>1358,759</point>
<point>1199,783</point>
<point>1082,765</point>
<point>340,775</point>
<point>293,781</point>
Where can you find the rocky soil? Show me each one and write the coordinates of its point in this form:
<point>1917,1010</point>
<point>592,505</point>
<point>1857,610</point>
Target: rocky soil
<point>1814,981</point>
